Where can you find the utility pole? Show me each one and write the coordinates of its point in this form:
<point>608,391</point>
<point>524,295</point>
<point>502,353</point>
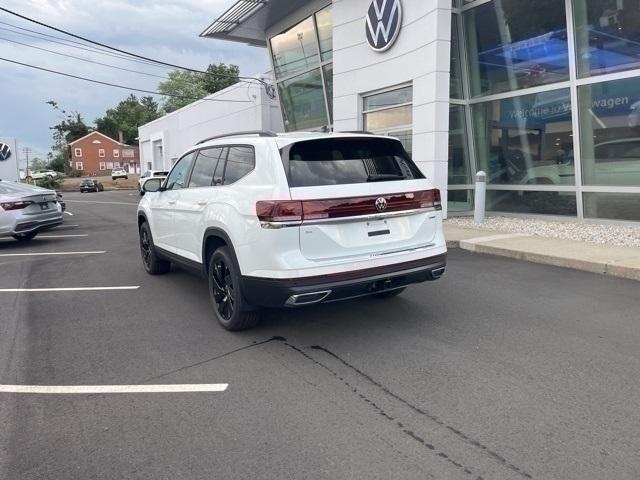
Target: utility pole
<point>27,151</point>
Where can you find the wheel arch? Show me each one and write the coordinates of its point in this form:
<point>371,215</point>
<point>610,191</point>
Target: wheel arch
<point>213,239</point>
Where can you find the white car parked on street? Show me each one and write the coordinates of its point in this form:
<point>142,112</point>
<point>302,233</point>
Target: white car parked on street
<point>294,219</point>
<point>40,174</point>
<point>119,173</point>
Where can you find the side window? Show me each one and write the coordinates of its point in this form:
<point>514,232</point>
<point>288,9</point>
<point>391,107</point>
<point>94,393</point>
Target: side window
<point>205,167</point>
<point>178,176</point>
<point>240,161</point>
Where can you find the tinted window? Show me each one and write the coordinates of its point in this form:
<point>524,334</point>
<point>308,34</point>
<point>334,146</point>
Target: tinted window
<point>354,160</point>
<point>178,176</point>
<point>160,174</point>
<point>240,161</point>
<point>205,167</point>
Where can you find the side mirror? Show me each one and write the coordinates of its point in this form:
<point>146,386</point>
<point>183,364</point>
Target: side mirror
<point>152,185</point>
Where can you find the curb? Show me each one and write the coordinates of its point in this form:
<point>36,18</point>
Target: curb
<point>603,268</point>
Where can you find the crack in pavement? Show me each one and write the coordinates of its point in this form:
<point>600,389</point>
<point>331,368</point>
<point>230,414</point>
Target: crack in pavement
<point>427,414</point>
<point>217,357</point>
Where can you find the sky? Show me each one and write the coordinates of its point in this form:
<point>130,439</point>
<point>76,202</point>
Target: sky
<point>162,29</point>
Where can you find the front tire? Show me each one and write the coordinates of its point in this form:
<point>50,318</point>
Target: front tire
<point>153,265</point>
<point>25,237</point>
<point>225,292</point>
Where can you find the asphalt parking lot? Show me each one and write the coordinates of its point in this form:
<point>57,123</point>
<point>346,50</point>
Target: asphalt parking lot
<point>501,370</point>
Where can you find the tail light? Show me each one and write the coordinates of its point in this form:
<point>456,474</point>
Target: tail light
<point>305,210</point>
<point>19,205</point>
<point>279,211</point>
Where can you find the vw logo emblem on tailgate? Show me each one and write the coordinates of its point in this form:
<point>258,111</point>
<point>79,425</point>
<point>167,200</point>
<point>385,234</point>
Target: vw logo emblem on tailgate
<point>5,152</point>
<point>381,204</point>
<point>383,23</point>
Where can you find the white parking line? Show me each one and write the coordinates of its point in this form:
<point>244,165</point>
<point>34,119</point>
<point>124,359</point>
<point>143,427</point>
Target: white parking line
<point>64,226</point>
<point>62,236</point>
<point>104,203</point>
<point>49,253</point>
<point>69,213</point>
<point>67,289</point>
<point>62,389</point>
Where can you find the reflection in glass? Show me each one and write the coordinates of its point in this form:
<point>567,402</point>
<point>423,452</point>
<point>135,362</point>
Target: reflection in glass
<point>514,44</point>
<point>614,206</point>
<point>406,138</point>
<point>327,71</point>
<point>458,155</point>
<point>295,50</point>
<point>526,140</point>
<point>543,203</point>
<point>460,200</point>
<point>389,118</point>
<point>607,35</point>
<point>302,100</point>
<point>325,33</point>
<point>455,79</point>
<point>610,132</point>
<point>389,99</point>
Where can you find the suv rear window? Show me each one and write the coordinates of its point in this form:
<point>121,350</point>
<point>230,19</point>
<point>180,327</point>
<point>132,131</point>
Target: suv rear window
<point>338,161</point>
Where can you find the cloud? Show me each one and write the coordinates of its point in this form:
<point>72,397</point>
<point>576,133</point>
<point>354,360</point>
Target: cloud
<point>162,29</point>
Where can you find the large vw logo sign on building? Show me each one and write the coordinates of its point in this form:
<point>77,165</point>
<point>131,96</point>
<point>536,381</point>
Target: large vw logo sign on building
<point>5,152</point>
<point>384,20</point>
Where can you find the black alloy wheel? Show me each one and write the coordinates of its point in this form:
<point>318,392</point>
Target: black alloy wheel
<point>223,291</point>
<point>152,264</point>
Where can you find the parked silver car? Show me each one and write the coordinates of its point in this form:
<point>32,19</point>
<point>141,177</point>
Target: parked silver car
<point>26,210</point>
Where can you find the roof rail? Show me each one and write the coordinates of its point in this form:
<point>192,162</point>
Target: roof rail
<point>260,133</point>
<point>366,132</point>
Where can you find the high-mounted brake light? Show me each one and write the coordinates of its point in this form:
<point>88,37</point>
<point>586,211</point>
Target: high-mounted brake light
<point>306,210</point>
<point>19,205</point>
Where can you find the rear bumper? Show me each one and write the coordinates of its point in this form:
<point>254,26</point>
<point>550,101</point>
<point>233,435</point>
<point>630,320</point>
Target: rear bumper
<point>271,292</point>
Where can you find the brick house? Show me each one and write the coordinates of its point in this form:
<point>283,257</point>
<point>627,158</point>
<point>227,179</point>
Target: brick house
<point>96,154</point>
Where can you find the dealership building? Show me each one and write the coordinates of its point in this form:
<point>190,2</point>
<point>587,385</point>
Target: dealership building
<point>542,95</point>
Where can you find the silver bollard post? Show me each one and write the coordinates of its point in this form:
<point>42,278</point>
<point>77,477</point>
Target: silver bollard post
<point>480,197</point>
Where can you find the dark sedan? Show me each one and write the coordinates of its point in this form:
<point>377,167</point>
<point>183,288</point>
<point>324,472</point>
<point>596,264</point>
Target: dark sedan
<point>91,185</point>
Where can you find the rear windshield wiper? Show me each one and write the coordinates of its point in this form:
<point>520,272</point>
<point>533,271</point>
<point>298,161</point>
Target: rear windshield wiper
<point>384,177</point>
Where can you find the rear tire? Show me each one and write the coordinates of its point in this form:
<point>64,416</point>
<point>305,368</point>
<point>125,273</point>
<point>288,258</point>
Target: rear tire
<point>153,265</point>
<point>390,293</point>
<point>25,237</point>
<point>225,292</point>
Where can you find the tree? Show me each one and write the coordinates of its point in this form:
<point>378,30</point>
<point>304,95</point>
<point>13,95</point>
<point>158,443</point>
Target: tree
<point>220,77</point>
<point>127,116</point>
<point>38,164</point>
<point>186,87</point>
<point>70,128</point>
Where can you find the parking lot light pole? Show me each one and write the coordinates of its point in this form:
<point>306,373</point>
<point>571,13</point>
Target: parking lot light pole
<point>480,197</point>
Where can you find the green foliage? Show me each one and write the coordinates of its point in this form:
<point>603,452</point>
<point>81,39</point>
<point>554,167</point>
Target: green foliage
<point>222,76</point>
<point>58,162</point>
<point>37,164</point>
<point>187,87</point>
<point>49,182</point>
<point>70,128</point>
<point>73,173</point>
<point>126,117</point>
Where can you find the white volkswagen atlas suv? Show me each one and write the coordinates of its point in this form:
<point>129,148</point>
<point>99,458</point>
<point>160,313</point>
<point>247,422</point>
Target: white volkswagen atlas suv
<point>287,220</point>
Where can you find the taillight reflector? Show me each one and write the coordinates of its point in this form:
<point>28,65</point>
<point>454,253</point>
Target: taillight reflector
<point>301,210</point>
<point>19,205</point>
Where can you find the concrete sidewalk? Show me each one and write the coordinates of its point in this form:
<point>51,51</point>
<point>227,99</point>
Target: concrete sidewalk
<point>621,262</point>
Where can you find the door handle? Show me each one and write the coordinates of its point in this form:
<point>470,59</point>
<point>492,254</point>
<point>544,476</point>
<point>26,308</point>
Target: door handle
<point>203,204</point>
<point>172,202</point>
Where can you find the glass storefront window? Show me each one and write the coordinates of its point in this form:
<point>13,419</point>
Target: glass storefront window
<point>460,200</point>
<point>295,50</point>
<point>458,154</point>
<point>388,118</point>
<point>325,33</point>
<point>614,206</point>
<point>388,99</point>
<point>514,44</point>
<point>607,35</point>
<point>302,100</point>
<point>455,79</point>
<point>610,132</point>
<point>541,203</point>
<point>526,140</point>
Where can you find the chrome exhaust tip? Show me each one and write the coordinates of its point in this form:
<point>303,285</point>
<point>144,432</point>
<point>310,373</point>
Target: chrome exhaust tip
<point>307,298</point>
